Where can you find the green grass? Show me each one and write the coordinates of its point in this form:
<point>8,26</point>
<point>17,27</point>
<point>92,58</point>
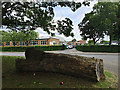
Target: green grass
<point>13,79</point>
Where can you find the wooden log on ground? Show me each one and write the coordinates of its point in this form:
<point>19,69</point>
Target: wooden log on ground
<point>78,66</point>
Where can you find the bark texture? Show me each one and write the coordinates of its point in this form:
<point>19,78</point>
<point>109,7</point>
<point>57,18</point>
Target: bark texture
<point>74,65</point>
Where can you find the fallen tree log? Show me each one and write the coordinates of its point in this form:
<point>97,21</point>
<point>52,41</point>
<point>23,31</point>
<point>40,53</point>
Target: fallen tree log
<point>62,63</point>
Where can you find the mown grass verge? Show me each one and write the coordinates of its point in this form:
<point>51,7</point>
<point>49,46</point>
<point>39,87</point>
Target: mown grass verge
<point>13,79</point>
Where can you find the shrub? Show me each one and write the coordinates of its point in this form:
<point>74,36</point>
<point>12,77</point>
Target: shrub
<point>23,48</point>
<point>99,48</point>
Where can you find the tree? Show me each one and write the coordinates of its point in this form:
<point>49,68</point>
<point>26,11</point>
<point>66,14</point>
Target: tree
<point>65,27</point>
<point>18,36</point>
<point>117,26</point>
<point>38,14</point>
<point>90,42</point>
<point>90,29</point>
<point>108,13</point>
<point>74,40</point>
<point>27,36</point>
<point>98,23</point>
<point>5,37</point>
<point>83,38</point>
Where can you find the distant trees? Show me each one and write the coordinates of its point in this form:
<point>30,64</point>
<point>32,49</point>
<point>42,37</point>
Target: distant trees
<point>15,36</point>
<point>90,42</point>
<point>103,20</point>
<point>5,37</point>
<point>74,40</point>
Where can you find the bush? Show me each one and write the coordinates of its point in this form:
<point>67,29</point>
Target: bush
<point>99,48</point>
<point>23,48</point>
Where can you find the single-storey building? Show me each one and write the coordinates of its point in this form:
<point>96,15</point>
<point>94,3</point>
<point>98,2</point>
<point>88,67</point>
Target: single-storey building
<point>44,41</point>
<point>80,42</point>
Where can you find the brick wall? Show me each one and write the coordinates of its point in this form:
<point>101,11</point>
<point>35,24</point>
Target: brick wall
<point>53,39</point>
<point>39,42</point>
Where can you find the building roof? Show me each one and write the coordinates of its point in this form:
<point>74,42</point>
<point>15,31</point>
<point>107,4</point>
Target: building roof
<point>44,39</point>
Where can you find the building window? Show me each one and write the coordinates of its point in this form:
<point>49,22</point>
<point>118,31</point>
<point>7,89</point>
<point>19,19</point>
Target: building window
<point>54,43</point>
<point>14,43</point>
<point>7,43</point>
<point>78,44</point>
<point>43,42</point>
<point>33,42</point>
<point>22,43</point>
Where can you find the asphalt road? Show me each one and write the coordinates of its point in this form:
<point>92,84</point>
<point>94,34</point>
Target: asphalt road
<point>110,60</point>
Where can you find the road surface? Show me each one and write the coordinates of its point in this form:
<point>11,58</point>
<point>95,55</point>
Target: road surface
<point>110,60</point>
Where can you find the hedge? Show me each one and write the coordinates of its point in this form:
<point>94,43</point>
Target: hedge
<point>99,48</point>
<point>23,48</point>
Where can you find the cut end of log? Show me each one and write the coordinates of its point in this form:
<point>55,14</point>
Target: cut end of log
<point>98,71</point>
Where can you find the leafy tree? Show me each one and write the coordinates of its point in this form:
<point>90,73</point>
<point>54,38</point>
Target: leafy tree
<point>83,38</point>
<point>27,36</point>
<point>101,21</point>
<point>74,40</point>
<point>90,29</point>
<point>15,36</point>
<point>90,42</point>
<point>38,14</point>
<point>108,13</point>
<point>117,26</point>
<point>65,27</point>
<point>5,36</point>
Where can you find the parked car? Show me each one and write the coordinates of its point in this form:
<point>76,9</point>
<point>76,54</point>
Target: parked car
<point>114,43</point>
<point>69,46</point>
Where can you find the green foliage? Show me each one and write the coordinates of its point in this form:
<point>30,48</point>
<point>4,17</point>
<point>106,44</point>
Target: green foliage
<point>90,29</point>
<point>5,36</point>
<point>90,42</point>
<point>22,49</point>
<point>74,40</point>
<point>99,48</point>
<point>103,20</point>
<point>65,27</point>
<point>38,14</point>
<point>108,18</point>
<point>15,36</point>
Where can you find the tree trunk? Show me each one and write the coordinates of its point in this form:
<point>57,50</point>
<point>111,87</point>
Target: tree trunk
<point>94,41</point>
<point>74,65</point>
<point>110,40</point>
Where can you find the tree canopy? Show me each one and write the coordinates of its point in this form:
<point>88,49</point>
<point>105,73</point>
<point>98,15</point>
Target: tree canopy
<point>103,20</point>
<point>89,29</point>
<point>74,40</point>
<point>39,14</point>
<point>15,36</point>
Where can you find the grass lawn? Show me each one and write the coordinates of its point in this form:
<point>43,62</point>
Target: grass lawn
<point>13,79</point>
